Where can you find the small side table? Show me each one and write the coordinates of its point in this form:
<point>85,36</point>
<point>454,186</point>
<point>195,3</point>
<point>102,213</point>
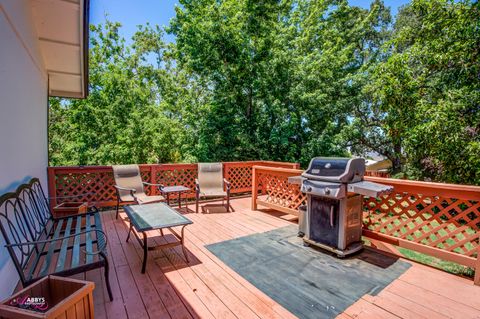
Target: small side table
<point>175,189</point>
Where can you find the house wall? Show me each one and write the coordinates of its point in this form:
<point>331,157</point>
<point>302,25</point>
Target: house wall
<point>23,112</point>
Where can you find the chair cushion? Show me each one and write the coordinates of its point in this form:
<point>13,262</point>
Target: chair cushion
<point>144,199</point>
<point>210,177</point>
<point>128,176</point>
<point>213,192</point>
<point>130,170</point>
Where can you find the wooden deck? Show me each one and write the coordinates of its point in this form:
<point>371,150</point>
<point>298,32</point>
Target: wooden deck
<point>207,288</point>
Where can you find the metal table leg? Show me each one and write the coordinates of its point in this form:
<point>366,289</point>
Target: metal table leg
<point>129,231</point>
<point>145,252</point>
<point>183,246</point>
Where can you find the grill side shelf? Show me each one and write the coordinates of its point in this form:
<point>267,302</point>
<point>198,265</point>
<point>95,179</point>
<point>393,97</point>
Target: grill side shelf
<point>369,189</point>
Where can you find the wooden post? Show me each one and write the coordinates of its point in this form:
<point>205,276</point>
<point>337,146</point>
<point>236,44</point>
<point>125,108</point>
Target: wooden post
<point>153,178</point>
<point>476,280</point>
<point>51,187</point>
<point>254,188</point>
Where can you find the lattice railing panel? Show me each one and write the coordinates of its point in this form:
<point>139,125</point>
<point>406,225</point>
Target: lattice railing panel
<point>97,181</point>
<point>240,177</point>
<point>184,175</point>
<point>446,223</point>
<point>279,191</point>
<point>146,176</point>
<point>94,187</point>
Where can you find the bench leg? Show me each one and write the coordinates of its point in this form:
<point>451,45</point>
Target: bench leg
<point>107,279</point>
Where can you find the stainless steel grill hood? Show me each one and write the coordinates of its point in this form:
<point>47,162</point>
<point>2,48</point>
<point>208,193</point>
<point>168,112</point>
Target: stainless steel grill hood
<point>334,169</point>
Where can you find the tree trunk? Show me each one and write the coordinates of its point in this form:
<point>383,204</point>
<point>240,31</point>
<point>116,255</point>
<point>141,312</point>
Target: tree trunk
<point>397,158</point>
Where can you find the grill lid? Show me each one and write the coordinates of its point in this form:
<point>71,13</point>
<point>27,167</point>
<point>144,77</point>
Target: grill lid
<point>337,170</point>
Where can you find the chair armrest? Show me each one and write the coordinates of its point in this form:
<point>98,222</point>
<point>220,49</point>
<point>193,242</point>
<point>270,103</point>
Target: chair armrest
<point>227,184</point>
<point>131,190</point>
<point>159,186</point>
<point>125,188</point>
<point>101,241</point>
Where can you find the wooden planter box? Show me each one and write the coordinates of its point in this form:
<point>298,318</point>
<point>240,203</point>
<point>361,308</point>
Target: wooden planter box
<point>66,298</point>
<point>69,209</point>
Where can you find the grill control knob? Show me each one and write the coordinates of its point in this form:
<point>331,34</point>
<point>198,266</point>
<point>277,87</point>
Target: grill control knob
<point>327,191</point>
<point>309,188</point>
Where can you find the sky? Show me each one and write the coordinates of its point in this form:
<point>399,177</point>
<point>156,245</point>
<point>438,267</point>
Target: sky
<point>131,13</point>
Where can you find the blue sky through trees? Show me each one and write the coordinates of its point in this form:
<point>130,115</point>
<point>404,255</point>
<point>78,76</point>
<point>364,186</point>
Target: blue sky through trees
<point>131,13</point>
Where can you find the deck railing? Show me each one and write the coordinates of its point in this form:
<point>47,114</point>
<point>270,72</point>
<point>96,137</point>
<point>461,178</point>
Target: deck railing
<point>95,183</point>
<point>441,220</point>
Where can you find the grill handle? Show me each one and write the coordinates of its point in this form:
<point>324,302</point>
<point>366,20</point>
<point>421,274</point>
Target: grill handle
<point>331,216</point>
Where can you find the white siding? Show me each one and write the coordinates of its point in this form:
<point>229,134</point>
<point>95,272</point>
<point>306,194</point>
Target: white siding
<point>23,112</point>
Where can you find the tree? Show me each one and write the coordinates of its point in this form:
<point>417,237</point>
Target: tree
<point>282,74</point>
<point>428,90</point>
<point>336,46</point>
<point>229,47</point>
<point>125,118</point>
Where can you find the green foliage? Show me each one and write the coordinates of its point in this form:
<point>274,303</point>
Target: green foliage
<point>429,90</point>
<point>282,73</point>
<point>125,118</point>
<point>284,80</point>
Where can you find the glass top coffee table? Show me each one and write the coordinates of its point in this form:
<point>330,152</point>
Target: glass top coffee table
<point>155,216</point>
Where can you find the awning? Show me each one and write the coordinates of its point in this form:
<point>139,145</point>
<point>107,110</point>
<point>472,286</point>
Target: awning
<point>62,31</point>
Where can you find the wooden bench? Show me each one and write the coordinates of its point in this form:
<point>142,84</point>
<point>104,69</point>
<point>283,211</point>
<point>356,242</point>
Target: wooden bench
<point>41,245</point>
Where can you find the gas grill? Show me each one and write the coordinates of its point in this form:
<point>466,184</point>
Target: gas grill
<point>333,216</point>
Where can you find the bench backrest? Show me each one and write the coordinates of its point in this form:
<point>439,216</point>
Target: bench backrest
<point>24,217</point>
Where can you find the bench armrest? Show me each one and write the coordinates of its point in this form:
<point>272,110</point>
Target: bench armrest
<point>101,241</point>
<point>70,196</point>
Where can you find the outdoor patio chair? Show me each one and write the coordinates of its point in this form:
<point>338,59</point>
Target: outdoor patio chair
<point>210,183</point>
<point>130,187</point>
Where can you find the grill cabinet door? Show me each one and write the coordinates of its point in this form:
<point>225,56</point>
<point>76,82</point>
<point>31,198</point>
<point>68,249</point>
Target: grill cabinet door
<point>324,220</point>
